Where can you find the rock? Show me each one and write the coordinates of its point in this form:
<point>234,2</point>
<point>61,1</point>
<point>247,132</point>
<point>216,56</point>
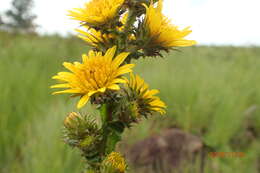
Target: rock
<point>170,148</point>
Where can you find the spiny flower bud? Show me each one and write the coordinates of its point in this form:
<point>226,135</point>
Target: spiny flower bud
<point>82,132</point>
<point>71,120</point>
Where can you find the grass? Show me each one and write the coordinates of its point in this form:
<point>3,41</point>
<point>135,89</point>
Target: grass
<point>210,91</point>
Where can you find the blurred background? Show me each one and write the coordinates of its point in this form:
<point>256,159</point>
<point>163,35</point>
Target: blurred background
<point>212,90</point>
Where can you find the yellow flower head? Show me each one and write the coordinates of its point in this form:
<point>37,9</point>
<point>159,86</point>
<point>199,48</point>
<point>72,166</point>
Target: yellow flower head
<point>146,100</point>
<point>97,12</point>
<point>96,74</point>
<point>115,160</point>
<point>161,32</point>
<point>95,38</point>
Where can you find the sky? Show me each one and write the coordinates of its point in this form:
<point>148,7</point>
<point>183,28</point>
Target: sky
<point>213,22</point>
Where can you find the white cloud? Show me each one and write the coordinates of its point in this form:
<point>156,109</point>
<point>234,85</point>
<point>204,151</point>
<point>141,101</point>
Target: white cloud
<point>52,15</point>
<point>218,21</point>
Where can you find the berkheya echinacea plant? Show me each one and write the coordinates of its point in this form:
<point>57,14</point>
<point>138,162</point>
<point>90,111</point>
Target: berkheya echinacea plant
<point>118,31</point>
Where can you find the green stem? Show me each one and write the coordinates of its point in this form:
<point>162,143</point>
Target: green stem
<point>110,134</point>
<point>103,113</point>
<point>104,118</point>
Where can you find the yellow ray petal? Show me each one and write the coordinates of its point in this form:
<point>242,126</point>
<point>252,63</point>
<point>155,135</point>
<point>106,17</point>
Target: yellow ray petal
<point>118,80</point>
<point>160,110</point>
<point>70,91</point>
<point>102,89</point>
<point>110,53</point>
<point>70,67</point>
<point>153,91</point>
<point>92,93</point>
<point>83,100</point>
<point>65,85</point>
<point>125,69</point>
<point>158,103</point>
<point>114,87</point>
<point>119,59</point>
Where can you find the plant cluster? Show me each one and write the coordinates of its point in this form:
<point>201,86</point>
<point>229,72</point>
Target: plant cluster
<point>118,32</point>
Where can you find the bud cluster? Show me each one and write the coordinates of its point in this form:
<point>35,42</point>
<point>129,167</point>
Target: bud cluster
<point>83,132</point>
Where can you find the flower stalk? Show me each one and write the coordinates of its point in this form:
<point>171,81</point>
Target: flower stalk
<point>117,31</point>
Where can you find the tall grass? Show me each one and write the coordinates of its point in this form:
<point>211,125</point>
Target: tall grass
<point>27,64</point>
<point>209,92</point>
<point>213,92</point>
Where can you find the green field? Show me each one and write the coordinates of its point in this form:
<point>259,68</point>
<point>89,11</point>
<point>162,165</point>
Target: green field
<point>212,92</point>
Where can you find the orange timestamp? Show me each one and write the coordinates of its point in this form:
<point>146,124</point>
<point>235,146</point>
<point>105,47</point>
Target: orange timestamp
<point>226,154</point>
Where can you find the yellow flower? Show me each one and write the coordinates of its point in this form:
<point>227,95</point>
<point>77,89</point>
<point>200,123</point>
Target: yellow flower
<point>115,160</point>
<point>96,74</point>
<point>146,100</point>
<point>94,38</point>
<point>161,32</point>
<point>97,12</point>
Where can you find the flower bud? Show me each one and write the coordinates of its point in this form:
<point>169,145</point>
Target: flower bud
<point>71,120</point>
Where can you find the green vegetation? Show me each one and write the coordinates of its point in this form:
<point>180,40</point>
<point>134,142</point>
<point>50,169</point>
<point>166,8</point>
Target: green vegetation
<point>213,92</point>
